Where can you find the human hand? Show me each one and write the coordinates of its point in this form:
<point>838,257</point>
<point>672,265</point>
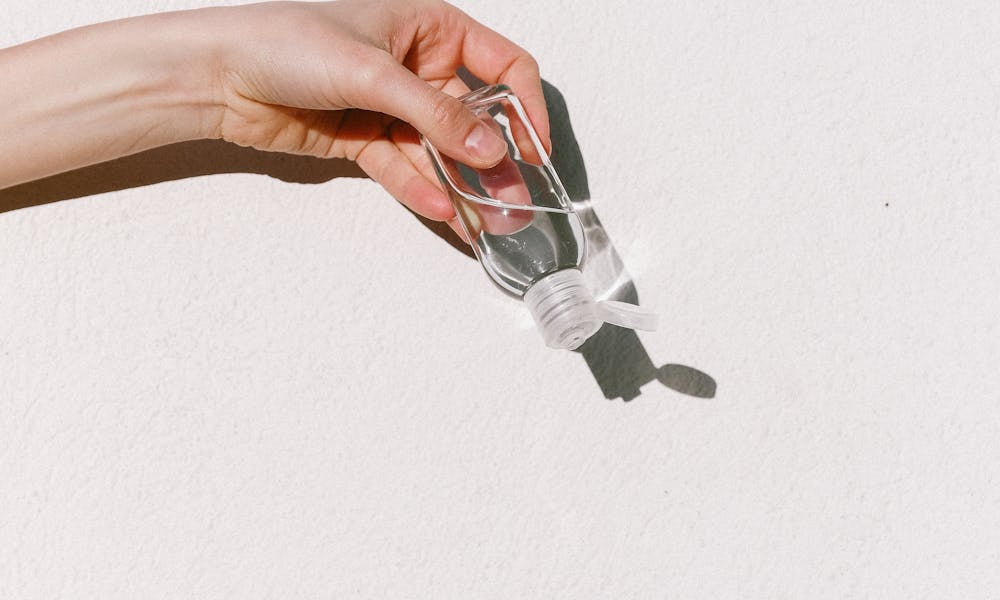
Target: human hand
<point>349,79</point>
<point>357,80</point>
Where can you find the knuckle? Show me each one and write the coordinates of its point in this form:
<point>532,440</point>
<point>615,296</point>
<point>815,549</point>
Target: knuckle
<point>529,64</point>
<point>370,71</point>
<point>369,68</point>
<point>448,112</point>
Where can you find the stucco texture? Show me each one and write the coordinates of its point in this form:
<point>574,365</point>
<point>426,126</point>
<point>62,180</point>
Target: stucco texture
<point>227,374</point>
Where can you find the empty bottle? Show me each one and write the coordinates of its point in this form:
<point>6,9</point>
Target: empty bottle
<point>524,230</point>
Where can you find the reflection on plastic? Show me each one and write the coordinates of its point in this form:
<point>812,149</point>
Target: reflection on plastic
<point>523,227</point>
<point>516,214</point>
<point>615,356</point>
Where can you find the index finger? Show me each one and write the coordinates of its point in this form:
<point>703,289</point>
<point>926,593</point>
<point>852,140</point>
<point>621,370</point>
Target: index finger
<point>495,59</point>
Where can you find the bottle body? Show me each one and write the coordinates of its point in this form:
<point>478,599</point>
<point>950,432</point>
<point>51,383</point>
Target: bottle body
<point>516,214</point>
<point>524,229</point>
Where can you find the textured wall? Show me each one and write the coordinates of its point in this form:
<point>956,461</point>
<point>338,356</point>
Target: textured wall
<point>234,375</point>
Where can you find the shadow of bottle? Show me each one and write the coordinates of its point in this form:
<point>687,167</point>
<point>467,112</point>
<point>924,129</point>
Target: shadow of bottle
<point>615,356</point>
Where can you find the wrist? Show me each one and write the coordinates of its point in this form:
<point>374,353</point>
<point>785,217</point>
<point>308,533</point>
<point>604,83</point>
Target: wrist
<point>104,91</point>
<point>176,76</point>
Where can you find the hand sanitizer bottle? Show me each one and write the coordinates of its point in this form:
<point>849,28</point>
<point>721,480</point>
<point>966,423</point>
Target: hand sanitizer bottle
<point>524,230</point>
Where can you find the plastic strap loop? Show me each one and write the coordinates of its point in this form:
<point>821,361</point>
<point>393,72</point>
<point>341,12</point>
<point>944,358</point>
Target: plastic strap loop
<point>627,315</point>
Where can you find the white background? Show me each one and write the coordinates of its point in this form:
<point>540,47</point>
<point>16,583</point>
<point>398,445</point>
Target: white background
<point>233,386</point>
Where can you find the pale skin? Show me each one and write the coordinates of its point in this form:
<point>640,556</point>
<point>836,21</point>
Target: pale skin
<point>352,79</point>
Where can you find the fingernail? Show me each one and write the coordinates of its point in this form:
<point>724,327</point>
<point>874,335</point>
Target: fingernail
<point>484,144</point>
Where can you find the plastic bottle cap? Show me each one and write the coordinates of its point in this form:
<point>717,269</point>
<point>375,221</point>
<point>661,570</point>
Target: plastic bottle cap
<point>567,314</point>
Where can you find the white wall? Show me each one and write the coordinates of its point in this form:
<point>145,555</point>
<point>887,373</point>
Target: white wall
<point>231,386</point>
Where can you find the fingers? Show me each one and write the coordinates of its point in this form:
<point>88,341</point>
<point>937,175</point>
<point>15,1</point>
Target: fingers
<point>386,164</point>
<point>399,164</point>
<point>407,141</point>
<point>451,127</point>
<point>495,59</point>
<point>502,182</point>
<point>454,86</point>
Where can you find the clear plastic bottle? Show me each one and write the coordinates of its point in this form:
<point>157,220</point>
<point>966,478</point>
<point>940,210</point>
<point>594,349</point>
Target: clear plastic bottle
<point>524,230</point>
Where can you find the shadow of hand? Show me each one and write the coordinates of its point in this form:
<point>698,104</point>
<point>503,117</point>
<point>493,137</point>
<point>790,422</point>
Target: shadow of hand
<point>192,159</point>
<point>616,356</point>
<point>170,163</point>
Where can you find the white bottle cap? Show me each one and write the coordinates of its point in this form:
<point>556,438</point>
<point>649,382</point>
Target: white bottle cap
<point>567,314</point>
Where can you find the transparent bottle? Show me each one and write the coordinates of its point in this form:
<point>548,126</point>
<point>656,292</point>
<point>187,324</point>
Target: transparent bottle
<point>523,227</point>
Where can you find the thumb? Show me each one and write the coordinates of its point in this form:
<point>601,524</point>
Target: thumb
<point>445,121</point>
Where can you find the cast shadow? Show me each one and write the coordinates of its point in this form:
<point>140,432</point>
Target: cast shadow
<point>171,163</point>
<point>192,159</point>
<point>615,356</point>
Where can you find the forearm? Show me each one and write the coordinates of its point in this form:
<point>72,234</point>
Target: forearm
<point>104,91</point>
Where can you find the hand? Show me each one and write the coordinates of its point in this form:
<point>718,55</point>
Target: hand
<point>357,79</point>
<point>350,79</point>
